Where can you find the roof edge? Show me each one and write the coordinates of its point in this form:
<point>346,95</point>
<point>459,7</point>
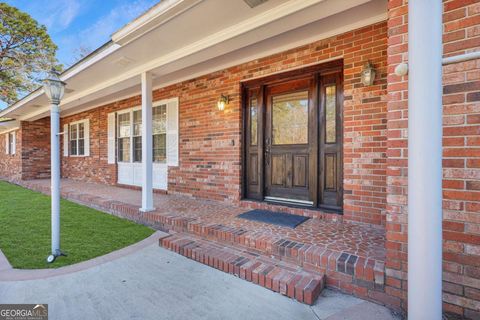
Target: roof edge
<point>159,14</point>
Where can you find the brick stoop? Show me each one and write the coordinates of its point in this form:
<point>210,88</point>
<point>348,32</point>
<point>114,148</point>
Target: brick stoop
<point>352,273</point>
<point>285,278</point>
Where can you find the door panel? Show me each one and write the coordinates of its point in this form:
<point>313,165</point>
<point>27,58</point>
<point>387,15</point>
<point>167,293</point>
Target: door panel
<point>288,142</point>
<point>300,173</point>
<point>278,173</point>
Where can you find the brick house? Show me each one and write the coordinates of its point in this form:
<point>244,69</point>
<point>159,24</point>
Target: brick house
<point>299,130</point>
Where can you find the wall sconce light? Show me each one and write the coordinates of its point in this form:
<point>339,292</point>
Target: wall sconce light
<point>368,74</point>
<point>222,102</point>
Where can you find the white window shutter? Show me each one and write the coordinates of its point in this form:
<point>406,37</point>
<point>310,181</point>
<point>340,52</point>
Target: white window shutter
<point>111,137</point>
<point>7,143</point>
<point>86,134</point>
<point>172,133</point>
<point>65,140</point>
<point>14,144</point>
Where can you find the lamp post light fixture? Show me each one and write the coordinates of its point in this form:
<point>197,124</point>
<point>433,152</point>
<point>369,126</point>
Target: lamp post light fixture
<point>222,102</point>
<point>54,89</point>
<point>368,74</point>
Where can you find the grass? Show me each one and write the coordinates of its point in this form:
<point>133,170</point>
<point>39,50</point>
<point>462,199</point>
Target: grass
<point>85,233</point>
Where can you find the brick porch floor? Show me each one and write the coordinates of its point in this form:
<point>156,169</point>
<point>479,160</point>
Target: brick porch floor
<point>351,255</point>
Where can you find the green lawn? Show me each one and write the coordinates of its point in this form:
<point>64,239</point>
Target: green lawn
<point>85,233</point>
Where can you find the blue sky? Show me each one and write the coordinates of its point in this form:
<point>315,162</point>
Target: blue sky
<point>81,23</point>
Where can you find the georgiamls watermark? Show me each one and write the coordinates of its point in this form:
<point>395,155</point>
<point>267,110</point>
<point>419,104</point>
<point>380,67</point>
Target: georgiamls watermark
<point>23,311</point>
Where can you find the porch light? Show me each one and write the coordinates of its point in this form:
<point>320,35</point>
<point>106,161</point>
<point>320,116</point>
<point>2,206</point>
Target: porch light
<point>222,102</point>
<point>368,74</point>
<point>54,88</point>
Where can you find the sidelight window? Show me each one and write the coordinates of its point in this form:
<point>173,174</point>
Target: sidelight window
<point>330,114</point>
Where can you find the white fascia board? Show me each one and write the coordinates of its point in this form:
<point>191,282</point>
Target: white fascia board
<point>64,77</point>
<point>155,17</point>
<point>89,61</point>
<point>35,94</point>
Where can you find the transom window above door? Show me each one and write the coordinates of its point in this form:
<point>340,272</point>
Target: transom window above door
<point>129,134</point>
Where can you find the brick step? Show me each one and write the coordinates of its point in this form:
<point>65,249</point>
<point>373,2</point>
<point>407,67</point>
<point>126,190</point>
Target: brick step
<point>337,265</point>
<point>285,278</point>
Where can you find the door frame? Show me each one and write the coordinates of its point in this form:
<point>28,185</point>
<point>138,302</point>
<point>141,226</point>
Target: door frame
<point>317,71</point>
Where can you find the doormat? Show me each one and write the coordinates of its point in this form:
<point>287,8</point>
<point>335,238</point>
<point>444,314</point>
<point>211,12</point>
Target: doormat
<point>278,218</point>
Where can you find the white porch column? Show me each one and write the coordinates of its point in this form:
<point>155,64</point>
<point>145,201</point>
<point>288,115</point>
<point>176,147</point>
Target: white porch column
<point>55,176</point>
<point>147,145</point>
<point>425,159</point>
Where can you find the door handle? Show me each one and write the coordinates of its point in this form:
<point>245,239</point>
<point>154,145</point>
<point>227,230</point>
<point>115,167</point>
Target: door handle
<point>267,151</point>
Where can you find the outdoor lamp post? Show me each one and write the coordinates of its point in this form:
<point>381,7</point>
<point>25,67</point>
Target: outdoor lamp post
<point>54,89</point>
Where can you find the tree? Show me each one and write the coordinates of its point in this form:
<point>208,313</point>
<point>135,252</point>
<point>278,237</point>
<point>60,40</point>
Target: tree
<point>81,52</point>
<point>26,53</point>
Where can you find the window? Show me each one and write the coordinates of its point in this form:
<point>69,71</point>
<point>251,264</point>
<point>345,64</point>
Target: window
<point>11,143</point>
<point>159,133</point>
<point>77,139</point>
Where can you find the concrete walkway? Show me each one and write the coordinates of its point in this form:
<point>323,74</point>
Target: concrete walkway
<point>154,283</point>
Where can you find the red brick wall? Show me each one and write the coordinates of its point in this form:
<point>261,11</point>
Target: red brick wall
<point>94,168</point>
<point>210,166</point>
<point>36,149</point>
<point>461,159</point>
<point>10,165</point>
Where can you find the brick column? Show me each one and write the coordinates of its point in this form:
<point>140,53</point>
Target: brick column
<point>397,114</point>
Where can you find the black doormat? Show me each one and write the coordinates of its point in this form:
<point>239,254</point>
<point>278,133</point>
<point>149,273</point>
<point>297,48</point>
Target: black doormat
<point>278,218</point>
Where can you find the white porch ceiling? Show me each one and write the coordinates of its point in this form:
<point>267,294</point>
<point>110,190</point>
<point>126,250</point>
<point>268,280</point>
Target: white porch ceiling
<point>188,38</point>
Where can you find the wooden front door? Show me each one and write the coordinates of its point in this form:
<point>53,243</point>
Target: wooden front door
<point>293,138</point>
<point>289,146</point>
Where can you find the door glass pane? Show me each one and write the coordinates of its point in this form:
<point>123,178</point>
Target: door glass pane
<point>253,121</point>
<point>330,114</point>
<point>159,147</point>
<point>137,149</point>
<point>137,123</point>
<point>124,125</point>
<point>290,118</point>
<point>124,149</point>
<point>159,133</point>
<point>159,115</point>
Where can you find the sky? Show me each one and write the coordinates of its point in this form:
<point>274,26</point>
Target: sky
<point>88,24</point>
